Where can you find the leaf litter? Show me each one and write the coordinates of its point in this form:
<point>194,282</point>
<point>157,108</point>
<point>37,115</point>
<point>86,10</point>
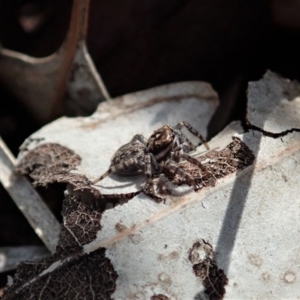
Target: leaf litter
<point>69,273</point>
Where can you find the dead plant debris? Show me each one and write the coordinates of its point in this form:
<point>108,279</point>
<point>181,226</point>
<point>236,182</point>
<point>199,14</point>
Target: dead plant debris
<point>88,277</point>
<point>205,267</point>
<point>81,223</point>
<point>49,163</point>
<point>69,273</point>
<point>235,157</point>
<point>213,278</point>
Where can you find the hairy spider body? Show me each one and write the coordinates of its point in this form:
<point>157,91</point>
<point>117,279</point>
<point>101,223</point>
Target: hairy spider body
<point>129,159</point>
<point>157,156</point>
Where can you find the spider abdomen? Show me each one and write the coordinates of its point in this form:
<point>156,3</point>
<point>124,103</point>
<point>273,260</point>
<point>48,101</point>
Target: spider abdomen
<point>129,159</point>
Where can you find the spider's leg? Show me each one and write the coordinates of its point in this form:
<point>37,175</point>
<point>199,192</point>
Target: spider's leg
<point>184,143</point>
<point>140,138</point>
<point>191,145</point>
<point>173,168</point>
<point>148,189</point>
<point>110,196</point>
<point>197,163</point>
<point>193,131</point>
<point>163,153</point>
<point>121,196</point>
<point>193,161</point>
<point>102,176</point>
<point>151,165</point>
<point>162,186</point>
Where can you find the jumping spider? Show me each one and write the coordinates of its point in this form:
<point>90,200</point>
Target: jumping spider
<point>156,157</point>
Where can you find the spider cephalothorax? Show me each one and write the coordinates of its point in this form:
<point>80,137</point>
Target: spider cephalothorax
<point>159,155</point>
<point>160,142</point>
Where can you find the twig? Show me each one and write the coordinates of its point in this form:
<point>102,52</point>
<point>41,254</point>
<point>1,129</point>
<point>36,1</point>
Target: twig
<point>28,200</point>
